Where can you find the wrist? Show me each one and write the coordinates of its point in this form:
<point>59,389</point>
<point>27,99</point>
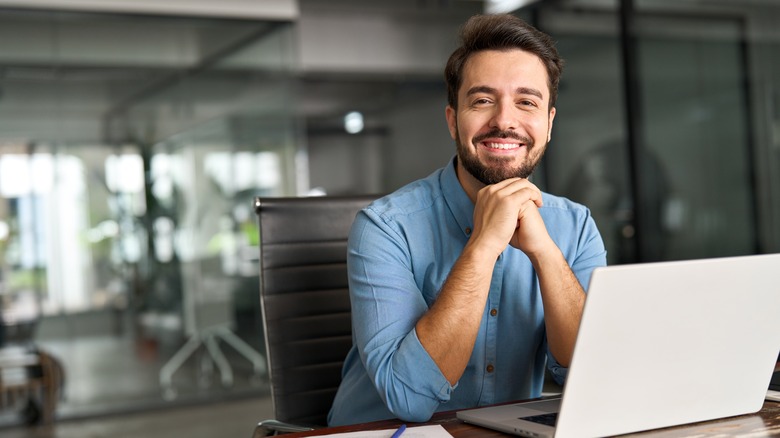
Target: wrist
<point>549,254</point>
<point>480,252</point>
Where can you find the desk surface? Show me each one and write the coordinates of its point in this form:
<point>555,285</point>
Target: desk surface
<point>764,423</point>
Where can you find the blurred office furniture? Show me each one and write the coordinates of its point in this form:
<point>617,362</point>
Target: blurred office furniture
<point>30,378</point>
<point>208,289</point>
<point>207,324</point>
<point>208,337</point>
<point>304,296</point>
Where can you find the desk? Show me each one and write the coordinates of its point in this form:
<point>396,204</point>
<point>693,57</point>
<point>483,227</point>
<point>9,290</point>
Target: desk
<point>732,426</point>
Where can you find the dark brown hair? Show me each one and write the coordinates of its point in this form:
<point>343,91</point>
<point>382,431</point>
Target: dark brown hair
<point>501,32</point>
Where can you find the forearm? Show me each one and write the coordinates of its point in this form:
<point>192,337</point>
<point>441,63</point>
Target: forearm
<point>449,329</point>
<point>563,299</point>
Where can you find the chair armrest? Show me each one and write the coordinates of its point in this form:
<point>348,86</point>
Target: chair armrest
<point>274,427</point>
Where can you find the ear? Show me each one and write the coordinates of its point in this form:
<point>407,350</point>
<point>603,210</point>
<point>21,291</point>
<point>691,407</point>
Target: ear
<point>550,124</point>
<point>452,121</point>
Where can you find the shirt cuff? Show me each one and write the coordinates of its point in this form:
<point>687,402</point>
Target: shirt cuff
<point>423,375</point>
<point>558,371</point>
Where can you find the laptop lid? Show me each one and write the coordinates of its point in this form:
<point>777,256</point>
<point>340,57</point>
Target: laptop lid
<point>663,344</point>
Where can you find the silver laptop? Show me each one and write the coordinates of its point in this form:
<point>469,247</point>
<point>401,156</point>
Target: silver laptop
<point>661,344</point>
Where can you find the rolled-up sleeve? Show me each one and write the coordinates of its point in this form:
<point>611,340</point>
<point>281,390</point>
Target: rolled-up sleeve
<point>591,252</point>
<point>386,305</point>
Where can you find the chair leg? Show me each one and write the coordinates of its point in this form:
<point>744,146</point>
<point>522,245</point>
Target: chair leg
<point>216,354</point>
<point>257,359</point>
<point>174,363</point>
<point>208,337</point>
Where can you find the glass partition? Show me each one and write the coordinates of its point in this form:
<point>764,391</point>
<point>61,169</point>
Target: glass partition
<point>696,148</point>
<point>130,150</point>
<point>700,184</point>
<point>587,159</point>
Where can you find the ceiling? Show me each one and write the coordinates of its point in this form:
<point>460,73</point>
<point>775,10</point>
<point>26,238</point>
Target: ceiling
<point>69,77</point>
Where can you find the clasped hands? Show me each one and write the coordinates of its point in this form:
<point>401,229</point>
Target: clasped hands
<point>507,213</point>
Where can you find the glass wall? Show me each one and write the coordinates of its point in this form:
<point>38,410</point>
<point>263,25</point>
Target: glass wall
<point>695,149</point>
<point>587,160</point>
<point>699,178</point>
<point>130,148</point>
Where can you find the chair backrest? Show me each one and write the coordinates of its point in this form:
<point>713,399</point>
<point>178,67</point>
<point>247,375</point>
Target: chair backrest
<point>304,298</point>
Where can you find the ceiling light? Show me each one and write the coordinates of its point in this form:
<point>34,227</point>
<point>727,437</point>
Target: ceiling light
<point>353,122</point>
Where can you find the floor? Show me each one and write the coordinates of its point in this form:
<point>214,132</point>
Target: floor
<point>112,389</point>
<point>235,418</point>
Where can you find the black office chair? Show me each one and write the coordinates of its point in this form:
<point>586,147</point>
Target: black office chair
<point>304,298</point>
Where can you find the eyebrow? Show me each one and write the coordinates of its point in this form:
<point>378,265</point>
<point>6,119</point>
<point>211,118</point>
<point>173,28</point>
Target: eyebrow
<point>491,90</point>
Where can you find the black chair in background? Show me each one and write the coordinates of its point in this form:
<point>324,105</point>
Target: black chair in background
<point>304,298</point>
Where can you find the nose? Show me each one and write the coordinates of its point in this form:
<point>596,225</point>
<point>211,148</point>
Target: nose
<point>504,116</point>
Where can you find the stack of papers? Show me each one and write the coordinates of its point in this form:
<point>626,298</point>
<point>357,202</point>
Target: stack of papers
<point>435,431</point>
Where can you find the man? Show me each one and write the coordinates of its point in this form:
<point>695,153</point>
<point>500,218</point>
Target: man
<point>465,284</point>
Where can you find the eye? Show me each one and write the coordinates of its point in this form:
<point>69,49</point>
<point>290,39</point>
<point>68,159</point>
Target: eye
<point>528,102</point>
<point>482,101</point>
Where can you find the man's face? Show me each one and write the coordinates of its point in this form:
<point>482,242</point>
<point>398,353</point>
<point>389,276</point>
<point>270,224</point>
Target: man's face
<point>502,124</point>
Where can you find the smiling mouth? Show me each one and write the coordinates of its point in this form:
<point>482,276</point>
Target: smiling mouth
<point>502,146</point>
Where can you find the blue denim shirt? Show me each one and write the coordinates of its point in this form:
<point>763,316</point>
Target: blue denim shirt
<point>401,249</point>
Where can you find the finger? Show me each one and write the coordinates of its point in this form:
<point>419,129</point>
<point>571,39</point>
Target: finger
<point>500,186</point>
<point>524,190</point>
<point>515,189</point>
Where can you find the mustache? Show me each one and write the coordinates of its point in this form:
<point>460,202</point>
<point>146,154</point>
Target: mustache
<point>497,133</point>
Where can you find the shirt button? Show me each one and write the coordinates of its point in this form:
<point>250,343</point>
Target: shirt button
<point>468,230</point>
<point>489,368</point>
<point>493,312</point>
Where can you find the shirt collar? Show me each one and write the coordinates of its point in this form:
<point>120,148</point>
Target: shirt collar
<point>457,200</point>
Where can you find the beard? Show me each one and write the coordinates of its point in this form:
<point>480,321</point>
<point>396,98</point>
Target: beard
<point>497,169</point>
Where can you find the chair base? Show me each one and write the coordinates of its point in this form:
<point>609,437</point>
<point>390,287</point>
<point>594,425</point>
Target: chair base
<point>274,427</point>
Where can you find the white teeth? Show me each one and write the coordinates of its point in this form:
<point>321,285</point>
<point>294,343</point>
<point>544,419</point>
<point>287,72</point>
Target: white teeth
<point>502,145</point>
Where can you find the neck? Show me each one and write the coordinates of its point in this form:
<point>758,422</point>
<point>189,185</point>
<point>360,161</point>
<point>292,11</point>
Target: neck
<point>470,184</point>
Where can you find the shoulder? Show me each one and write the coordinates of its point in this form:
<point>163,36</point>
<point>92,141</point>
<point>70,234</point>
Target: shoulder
<point>562,209</point>
<point>392,220</point>
<point>560,204</point>
<point>413,200</point>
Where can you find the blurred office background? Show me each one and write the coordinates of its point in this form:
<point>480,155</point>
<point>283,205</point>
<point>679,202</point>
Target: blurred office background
<point>134,134</point>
